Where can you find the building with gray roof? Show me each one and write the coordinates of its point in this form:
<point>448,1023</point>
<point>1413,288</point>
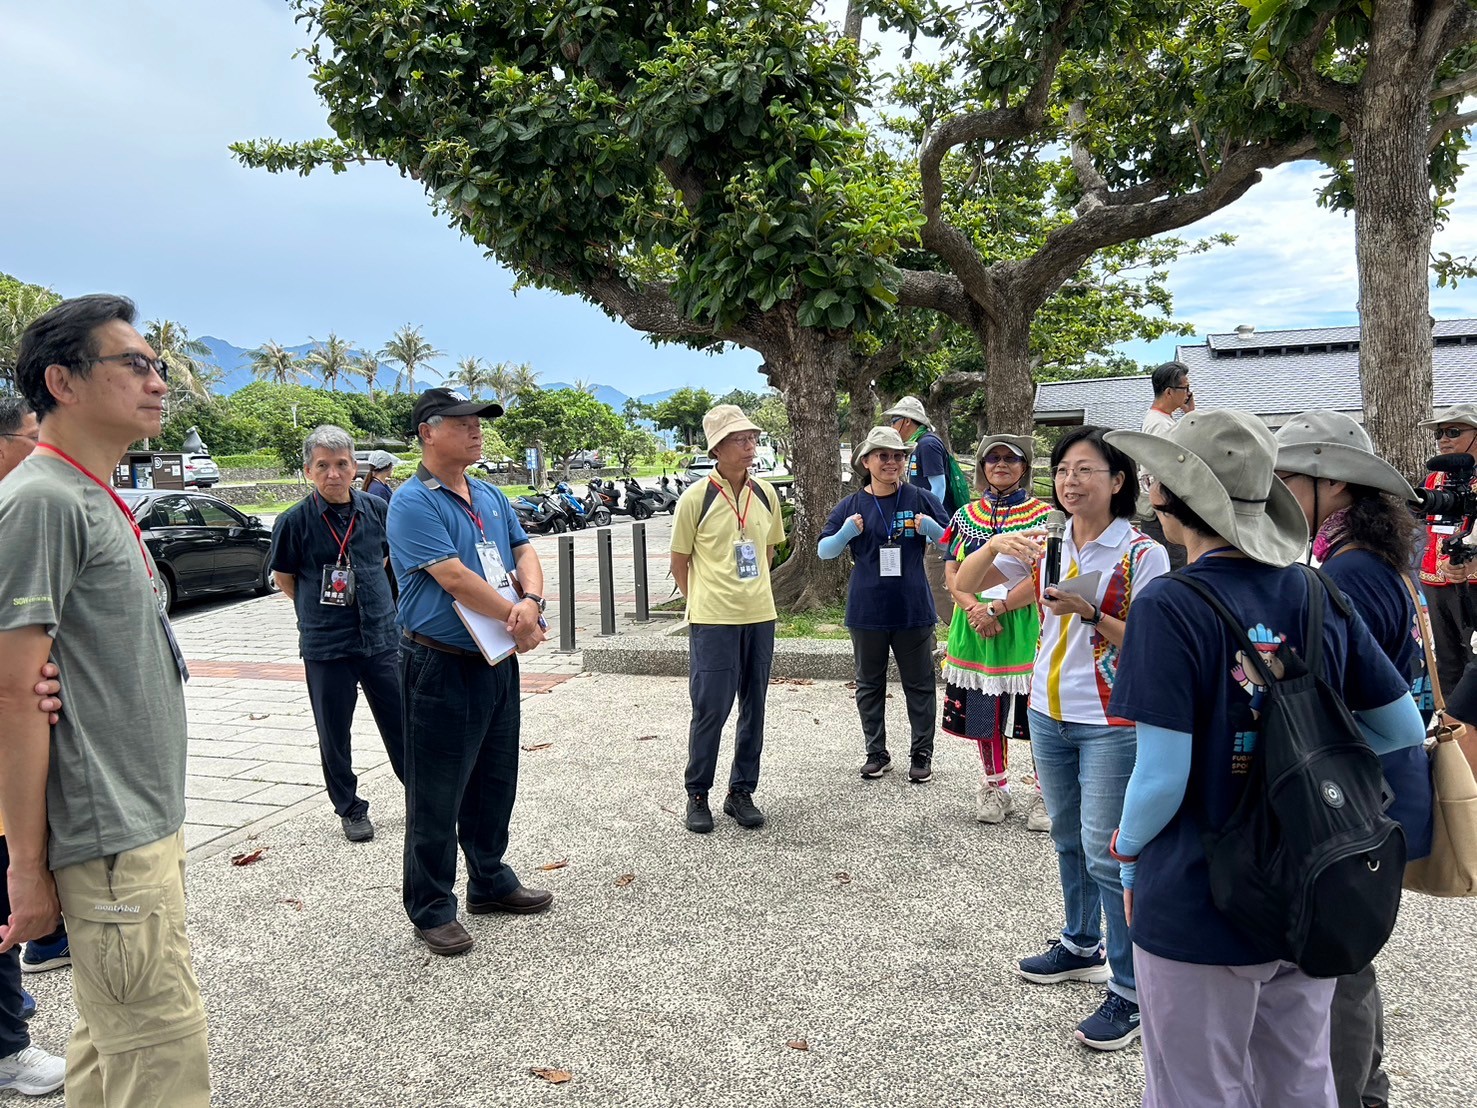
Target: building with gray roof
<point>1275,374</point>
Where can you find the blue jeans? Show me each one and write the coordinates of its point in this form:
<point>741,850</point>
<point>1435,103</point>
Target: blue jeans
<point>1084,770</point>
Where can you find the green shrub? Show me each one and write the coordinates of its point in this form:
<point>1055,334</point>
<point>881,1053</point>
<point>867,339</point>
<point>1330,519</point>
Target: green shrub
<point>259,460</point>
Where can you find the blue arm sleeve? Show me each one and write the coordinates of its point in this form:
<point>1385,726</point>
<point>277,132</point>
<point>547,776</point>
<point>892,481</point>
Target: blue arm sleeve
<point>930,528</point>
<point>1394,727</point>
<point>938,484</point>
<point>1155,791</point>
<point>832,545</point>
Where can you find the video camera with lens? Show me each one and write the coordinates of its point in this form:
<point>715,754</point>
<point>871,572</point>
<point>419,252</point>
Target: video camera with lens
<point>1452,509</point>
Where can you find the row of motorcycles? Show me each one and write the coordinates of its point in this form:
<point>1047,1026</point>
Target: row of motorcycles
<point>562,509</point>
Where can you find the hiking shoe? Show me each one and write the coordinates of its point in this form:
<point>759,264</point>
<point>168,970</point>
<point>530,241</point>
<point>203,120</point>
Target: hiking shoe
<point>358,830</point>
<point>991,803</point>
<point>33,1072</point>
<point>921,771</point>
<point>1036,817</point>
<point>1060,964</point>
<point>699,815</point>
<point>40,957</point>
<point>876,765</point>
<point>1113,1026</point>
<point>28,1005</point>
<point>740,805</point>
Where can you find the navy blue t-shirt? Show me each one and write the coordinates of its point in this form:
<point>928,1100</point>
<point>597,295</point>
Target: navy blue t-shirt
<point>874,602</point>
<point>929,459</point>
<point>1380,597</point>
<point>1180,670</point>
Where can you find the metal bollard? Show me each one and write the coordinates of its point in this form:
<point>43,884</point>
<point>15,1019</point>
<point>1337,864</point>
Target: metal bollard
<point>566,594</point>
<point>607,581</point>
<point>638,551</point>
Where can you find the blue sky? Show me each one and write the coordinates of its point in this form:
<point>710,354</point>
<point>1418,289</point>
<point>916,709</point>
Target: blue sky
<point>115,130</point>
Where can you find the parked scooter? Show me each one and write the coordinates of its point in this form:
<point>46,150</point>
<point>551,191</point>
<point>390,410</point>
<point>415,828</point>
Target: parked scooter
<point>572,506</point>
<point>610,499</point>
<point>596,510</point>
<point>668,495</point>
<point>643,503</point>
<point>539,513</point>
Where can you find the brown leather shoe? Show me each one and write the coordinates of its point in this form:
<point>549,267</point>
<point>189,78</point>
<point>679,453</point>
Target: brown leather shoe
<point>520,902</point>
<point>449,938</point>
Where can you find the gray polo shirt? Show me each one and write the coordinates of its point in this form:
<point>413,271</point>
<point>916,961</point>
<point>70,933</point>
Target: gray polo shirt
<point>72,565</point>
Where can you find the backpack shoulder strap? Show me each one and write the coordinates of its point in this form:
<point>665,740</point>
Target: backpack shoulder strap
<point>1238,633</point>
<point>1320,588</point>
<point>758,490</point>
<point>710,494</point>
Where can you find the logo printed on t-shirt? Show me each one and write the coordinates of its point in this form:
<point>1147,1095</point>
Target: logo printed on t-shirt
<point>1245,674</point>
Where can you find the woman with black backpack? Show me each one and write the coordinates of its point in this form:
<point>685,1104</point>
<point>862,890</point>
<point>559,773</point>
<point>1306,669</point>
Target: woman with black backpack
<point>1227,1016</point>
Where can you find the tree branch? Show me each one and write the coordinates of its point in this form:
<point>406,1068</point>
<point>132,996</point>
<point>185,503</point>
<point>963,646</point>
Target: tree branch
<point>1454,26</point>
<point>1310,87</point>
<point>1456,86</point>
<point>1446,124</point>
<point>939,292</point>
<point>687,183</point>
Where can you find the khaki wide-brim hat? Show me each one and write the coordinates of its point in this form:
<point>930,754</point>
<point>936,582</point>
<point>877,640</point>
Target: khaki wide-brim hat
<point>725,420</point>
<point>1220,463</point>
<point>880,438</point>
<point>909,407</point>
<point>1333,446</point>
<point>1457,413</point>
<point>1023,446</point>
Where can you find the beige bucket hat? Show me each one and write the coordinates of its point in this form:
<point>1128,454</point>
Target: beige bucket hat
<point>1221,464</point>
<point>1023,446</point>
<point>909,407</point>
<point>725,420</point>
<point>1457,413</point>
<point>1332,445</point>
<point>880,438</point>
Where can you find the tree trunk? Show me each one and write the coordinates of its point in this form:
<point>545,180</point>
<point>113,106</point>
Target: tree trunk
<point>1393,222</point>
<point>1010,393</point>
<point>862,416</point>
<point>805,369</point>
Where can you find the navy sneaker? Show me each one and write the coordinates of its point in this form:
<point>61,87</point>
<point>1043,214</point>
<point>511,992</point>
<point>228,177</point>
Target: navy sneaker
<point>1113,1026</point>
<point>1060,964</point>
<point>28,1005</point>
<point>40,957</point>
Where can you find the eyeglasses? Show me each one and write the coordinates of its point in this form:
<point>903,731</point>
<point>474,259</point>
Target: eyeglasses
<point>749,439</point>
<point>1453,432</point>
<point>889,455</point>
<point>19,435</point>
<point>1001,459</point>
<point>1179,388</point>
<point>141,364</point>
<point>1081,473</point>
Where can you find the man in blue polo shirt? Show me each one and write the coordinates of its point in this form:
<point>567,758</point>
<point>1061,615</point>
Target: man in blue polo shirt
<point>454,539</point>
<point>328,557</point>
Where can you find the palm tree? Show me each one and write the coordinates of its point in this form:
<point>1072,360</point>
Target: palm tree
<point>584,385</point>
<point>273,362</point>
<point>411,351</point>
<point>525,379</point>
<point>20,304</point>
<point>331,358</point>
<point>501,383</point>
<point>471,374</point>
<point>368,367</point>
<point>189,373</point>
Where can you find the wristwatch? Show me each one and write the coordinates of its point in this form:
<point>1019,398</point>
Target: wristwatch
<point>990,610</point>
<point>537,599</point>
<point>1097,617</point>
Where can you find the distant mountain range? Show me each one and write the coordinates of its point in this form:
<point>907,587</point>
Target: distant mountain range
<point>235,363</point>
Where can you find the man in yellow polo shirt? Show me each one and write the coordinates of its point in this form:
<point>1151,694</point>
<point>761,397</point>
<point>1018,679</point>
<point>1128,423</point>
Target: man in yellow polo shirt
<point>723,539</point>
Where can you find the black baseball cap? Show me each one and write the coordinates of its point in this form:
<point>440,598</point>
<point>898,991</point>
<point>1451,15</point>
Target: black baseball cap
<point>448,402</point>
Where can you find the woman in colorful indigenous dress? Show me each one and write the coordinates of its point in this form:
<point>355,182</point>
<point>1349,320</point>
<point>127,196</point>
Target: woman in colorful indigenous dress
<point>992,639</point>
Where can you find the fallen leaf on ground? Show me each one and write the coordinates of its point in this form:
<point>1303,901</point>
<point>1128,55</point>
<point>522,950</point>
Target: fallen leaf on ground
<point>259,715</point>
<point>250,857</point>
<point>791,681</point>
<point>624,879</point>
<point>548,867</point>
<point>293,902</point>
<point>553,1077</point>
<point>851,684</point>
<point>797,1044</point>
<point>540,692</point>
<point>539,746</point>
<point>842,878</point>
<point>644,738</point>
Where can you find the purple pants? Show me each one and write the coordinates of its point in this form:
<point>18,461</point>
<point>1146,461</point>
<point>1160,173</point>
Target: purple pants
<point>1233,1036</point>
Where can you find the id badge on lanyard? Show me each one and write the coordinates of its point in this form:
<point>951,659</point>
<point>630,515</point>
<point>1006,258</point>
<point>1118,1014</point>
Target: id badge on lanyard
<point>337,588</point>
<point>746,559</point>
<point>492,565</point>
<point>890,559</point>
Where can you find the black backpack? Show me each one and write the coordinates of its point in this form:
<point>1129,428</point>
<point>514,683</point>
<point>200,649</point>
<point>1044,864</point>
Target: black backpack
<point>1308,867</point>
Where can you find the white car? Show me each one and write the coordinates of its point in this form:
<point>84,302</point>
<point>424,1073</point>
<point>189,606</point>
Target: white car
<point>201,471</point>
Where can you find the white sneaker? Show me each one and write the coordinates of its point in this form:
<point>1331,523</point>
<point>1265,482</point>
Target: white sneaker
<point>992,803</point>
<point>33,1072</point>
<point>1036,817</point>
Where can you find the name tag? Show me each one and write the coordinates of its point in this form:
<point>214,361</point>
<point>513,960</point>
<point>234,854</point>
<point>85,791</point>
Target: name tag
<point>492,565</point>
<point>746,559</point>
<point>337,590</point>
<point>890,560</point>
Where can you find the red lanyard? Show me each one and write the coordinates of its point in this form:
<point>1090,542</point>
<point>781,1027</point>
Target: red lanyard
<point>749,503</point>
<point>118,500</point>
<point>342,542</point>
<point>462,504</point>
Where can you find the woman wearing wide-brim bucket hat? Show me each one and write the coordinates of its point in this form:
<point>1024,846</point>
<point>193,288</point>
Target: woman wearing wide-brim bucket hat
<point>1356,503</point>
<point>1218,1015</point>
<point>887,524</point>
<point>991,648</point>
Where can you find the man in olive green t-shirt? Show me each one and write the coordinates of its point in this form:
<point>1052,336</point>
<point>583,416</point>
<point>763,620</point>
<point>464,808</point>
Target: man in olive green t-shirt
<point>93,810</point>
<point>723,539</point>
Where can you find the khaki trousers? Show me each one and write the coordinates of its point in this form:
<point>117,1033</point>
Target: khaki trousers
<point>140,1035</point>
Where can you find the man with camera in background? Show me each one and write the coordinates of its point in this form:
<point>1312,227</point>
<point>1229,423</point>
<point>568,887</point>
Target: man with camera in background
<point>1445,581</point>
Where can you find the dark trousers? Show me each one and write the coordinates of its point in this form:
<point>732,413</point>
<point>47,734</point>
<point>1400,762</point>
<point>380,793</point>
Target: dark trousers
<point>13,1034</point>
<point>913,649</point>
<point>727,661</point>
<point>1151,526</point>
<point>333,690</point>
<point>1451,631</point>
<point>1357,1040</point>
<point>461,777</point>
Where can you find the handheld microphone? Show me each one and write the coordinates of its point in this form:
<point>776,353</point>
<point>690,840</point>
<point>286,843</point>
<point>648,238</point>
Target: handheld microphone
<point>1056,530</point>
<point>1450,463</point>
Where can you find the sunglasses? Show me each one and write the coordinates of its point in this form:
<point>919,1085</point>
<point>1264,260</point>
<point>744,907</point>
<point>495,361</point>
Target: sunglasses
<point>1453,432</point>
<point>1000,459</point>
<point>889,455</point>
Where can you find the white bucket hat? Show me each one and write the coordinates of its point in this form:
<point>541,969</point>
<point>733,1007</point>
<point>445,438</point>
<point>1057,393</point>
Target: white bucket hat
<point>1022,446</point>
<point>725,420</point>
<point>880,438</point>
<point>1332,445</point>
<point>1220,463</point>
<point>909,407</point>
<point>1457,413</point>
